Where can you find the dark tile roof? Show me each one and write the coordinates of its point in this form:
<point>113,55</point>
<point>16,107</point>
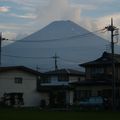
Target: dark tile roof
<point>65,72</point>
<point>92,83</point>
<point>23,68</point>
<point>105,59</point>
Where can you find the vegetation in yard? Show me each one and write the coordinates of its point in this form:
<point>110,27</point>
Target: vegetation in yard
<point>36,114</point>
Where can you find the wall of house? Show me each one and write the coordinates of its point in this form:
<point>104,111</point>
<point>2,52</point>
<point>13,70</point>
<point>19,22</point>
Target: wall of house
<point>46,97</point>
<point>95,90</point>
<point>118,74</point>
<point>88,73</point>
<point>54,81</point>
<point>69,97</point>
<point>97,70</point>
<point>28,87</point>
<point>108,71</point>
<point>76,78</point>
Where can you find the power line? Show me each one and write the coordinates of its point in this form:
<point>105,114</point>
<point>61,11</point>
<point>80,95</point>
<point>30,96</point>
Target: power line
<point>70,61</point>
<point>56,39</point>
<point>30,57</point>
<point>25,57</point>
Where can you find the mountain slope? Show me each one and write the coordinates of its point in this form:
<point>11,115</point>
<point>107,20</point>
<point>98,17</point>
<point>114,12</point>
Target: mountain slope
<point>72,43</point>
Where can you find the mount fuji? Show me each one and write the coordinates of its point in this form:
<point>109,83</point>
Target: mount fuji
<point>72,43</point>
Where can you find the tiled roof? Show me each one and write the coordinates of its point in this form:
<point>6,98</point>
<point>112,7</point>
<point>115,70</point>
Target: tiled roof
<point>65,71</point>
<point>92,83</point>
<point>3,69</point>
<point>105,59</point>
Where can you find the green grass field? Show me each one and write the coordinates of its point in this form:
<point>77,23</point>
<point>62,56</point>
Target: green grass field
<point>15,114</point>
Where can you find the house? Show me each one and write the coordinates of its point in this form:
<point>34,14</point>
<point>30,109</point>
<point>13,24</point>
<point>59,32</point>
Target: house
<point>56,86</point>
<point>18,86</point>
<point>98,78</point>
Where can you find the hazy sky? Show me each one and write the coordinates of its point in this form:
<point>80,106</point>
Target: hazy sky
<point>19,18</point>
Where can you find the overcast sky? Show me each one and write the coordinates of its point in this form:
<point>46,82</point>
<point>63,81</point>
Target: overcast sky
<point>19,18</point>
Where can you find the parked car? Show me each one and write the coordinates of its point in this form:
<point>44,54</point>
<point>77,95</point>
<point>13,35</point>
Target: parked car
<point>92,102</point>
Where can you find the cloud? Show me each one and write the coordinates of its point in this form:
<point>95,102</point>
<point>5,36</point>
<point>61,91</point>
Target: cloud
<point>42,15</point>
<point>30,3</point>
<point>15,31</point>
<point>26,16</point>
<point>105,20</point>
<point>9,26</point>
<point>57,10</point>
<point>93,2</point>
<point>9,35</point>
<point>87,7</point>
<point>100,23</point>
<point>4,9</point>
<point>42,12</point>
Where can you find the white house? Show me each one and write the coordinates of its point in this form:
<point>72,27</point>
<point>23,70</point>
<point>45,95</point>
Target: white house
<point>19,83</point>
<point>56,86</point>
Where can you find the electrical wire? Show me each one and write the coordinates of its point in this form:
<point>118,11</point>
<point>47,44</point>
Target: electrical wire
<point>29,57</point>
<point>25,57</point>
<point>70,61</point>
<point>50,40</point>
<point>59,39</point>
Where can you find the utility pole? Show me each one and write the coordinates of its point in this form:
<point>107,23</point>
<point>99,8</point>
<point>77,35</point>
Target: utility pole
<point>0,46</point>
<point>112,28</point>
<point>1,39</point>
<point>56,61</point>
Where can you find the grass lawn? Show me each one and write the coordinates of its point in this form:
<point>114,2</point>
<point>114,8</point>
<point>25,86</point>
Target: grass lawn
<point>17,114</point>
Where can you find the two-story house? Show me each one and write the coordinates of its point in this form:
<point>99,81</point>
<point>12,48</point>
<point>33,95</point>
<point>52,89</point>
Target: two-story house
<point>56,86</point>
<point>98,78</point>
<point>18,86</point>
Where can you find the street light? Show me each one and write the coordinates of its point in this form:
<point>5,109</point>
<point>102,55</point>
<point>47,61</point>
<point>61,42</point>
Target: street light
<point>1,39</point>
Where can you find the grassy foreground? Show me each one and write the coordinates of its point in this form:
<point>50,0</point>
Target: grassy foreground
<point>16,114</point>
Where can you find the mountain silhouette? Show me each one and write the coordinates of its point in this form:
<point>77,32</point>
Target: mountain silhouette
<point>71,42</point>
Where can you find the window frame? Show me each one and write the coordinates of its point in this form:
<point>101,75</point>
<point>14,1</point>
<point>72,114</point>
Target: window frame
<point>18,80</point>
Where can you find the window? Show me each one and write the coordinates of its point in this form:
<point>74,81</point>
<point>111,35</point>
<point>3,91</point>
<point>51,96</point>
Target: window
<point>81,94</point>
<point>18,80</point>
<point>63,78</point>
<point>45,80</point>
<point>97,70</point>
<point>81,79</point>
<point>107,92</point>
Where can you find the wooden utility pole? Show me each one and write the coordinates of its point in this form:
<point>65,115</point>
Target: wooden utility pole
<point>1,39</point>
<point>112,28</point>
<point>56,61</point>
<point>0,46</point>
